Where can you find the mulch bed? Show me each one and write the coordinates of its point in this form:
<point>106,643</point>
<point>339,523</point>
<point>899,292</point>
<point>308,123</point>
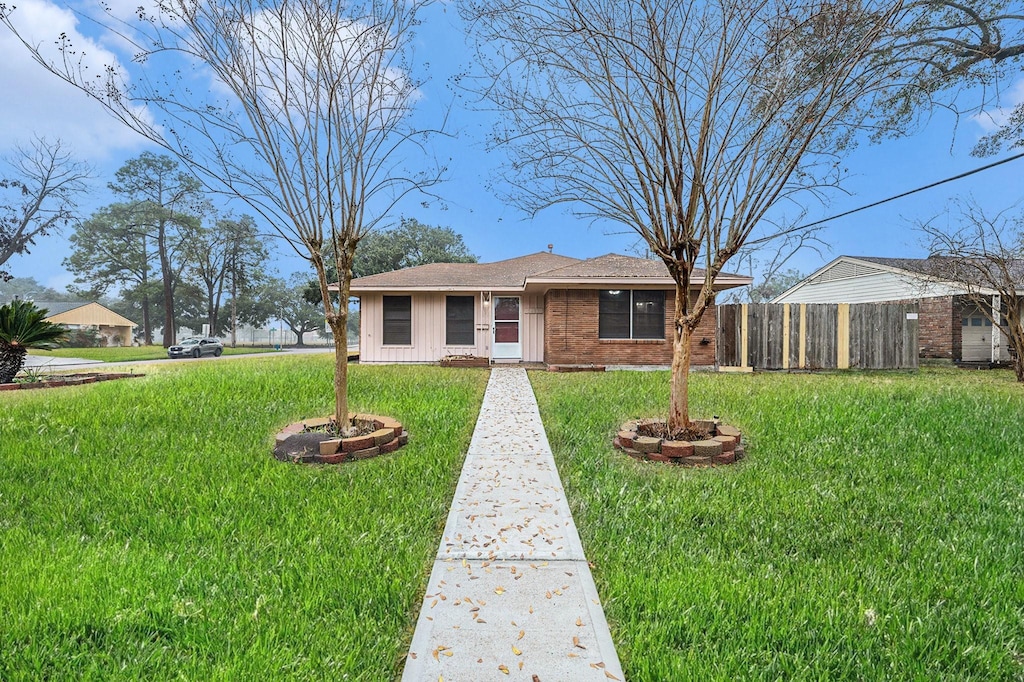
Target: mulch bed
<point>320,441</point>
<point>61,380</point>
<point>464,361</point>
<point>705,443</point>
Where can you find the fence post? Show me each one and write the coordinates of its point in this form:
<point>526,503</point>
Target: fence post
<point>785,336</point>
<point>843,337</point>
<point>744,333</point>
<point>803,336</point>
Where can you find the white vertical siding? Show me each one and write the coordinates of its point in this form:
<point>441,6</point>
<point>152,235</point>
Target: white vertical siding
<point>428,330</point>
<point>532,327</point>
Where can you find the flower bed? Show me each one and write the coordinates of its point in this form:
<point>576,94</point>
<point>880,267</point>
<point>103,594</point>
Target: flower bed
<point>58,380</point>
<point>317,441</point>
<point>709,443</point>
<point>464,361</point>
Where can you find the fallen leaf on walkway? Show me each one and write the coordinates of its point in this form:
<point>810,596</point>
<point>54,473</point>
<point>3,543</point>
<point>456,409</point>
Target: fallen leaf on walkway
<point>576,643</point>
<point>522,633</point>
<point>548,595</point>
<point>609,675</point>
<point>499,590</point>
<point>579,622</point>
<point>516,651</point>
<point>520,665</point>
<point>503,669</point>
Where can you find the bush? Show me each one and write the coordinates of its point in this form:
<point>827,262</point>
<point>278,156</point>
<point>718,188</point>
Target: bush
<point>84,338</point>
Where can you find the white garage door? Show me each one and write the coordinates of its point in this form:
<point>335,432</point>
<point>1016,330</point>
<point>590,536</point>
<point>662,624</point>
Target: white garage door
<point>977,338</point>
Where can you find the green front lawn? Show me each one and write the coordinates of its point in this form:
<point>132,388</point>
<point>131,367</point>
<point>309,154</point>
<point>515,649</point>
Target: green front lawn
<point>131,353</point>
<point>146,533</point>
<point>873,532</point>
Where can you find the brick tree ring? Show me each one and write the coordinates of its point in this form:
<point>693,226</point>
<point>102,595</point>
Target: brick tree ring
<point>711,443</point>
<point>318,441</point>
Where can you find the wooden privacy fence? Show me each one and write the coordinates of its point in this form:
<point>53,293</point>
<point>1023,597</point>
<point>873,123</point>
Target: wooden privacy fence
<point>817,336</point>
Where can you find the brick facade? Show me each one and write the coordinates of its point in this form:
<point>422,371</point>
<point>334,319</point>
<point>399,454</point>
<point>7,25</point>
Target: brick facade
<point>938,321</point>
<point>570,334</point>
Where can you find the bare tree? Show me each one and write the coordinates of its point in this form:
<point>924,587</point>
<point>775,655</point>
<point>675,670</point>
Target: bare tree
<point>312,126</point>
<point>984,254</point>
<point>688,121</point>
<point>39,195</point>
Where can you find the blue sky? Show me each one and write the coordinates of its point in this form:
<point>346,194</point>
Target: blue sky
<point>36,102</point>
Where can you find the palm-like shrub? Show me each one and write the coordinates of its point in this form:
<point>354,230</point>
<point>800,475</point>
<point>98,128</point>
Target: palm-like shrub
<point>24,326</point>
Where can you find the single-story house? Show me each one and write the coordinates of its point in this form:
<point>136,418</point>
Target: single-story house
<point>117,330</point>
<point>951,325</point>
<point>609,310</point>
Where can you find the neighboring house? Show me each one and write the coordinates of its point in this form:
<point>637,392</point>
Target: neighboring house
<point>951,326</point>
<point>609,310</point>
<point>117,330</point>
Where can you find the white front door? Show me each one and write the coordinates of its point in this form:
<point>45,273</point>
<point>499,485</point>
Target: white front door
<point>506,325</point>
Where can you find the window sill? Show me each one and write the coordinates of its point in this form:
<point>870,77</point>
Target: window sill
<point>632,342</point>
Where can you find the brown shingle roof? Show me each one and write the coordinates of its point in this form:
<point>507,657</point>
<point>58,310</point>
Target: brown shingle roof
<point>513,273</point>
<point>610,265</point>
<point>509,273</point>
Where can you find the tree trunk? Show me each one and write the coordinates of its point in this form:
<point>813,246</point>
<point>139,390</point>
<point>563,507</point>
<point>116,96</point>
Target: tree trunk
<point>234,314</point>
<point>168,279</point>
<point>338,323</point>
<point>147,323</point>
<point>679,397</point>
<point>147,329</point>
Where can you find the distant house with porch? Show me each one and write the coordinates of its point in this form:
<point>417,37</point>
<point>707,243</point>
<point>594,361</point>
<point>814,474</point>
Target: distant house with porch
<point>115,329</point>
<point>951,325</point>
<point>609,310</point>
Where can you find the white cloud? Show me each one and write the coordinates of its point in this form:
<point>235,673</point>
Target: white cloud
<point>36,102</point>
<point>992,120</point>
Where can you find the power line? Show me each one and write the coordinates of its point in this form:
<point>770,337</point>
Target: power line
<point>892,198</point>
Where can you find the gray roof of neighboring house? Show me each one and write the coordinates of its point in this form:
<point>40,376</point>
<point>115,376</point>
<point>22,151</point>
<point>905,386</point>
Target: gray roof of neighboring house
<point>941,266</point>
<point>514,272</point>
<point>58,307</point>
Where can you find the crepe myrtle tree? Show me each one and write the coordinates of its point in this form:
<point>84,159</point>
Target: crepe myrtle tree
<point>301,109</point>
<point>687,121</point>
<point>983,252</point>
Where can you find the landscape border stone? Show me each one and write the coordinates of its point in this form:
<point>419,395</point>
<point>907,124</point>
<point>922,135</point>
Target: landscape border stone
<point>724,444</point>
<point>60,380</point>
<point>388,436</point>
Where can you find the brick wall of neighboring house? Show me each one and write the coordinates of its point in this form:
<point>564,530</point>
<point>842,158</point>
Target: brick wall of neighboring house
<point>570,334</point>
<point>938,327</point>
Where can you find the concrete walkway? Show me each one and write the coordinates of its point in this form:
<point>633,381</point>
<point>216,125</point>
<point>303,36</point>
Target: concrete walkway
<point>510,596</point>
